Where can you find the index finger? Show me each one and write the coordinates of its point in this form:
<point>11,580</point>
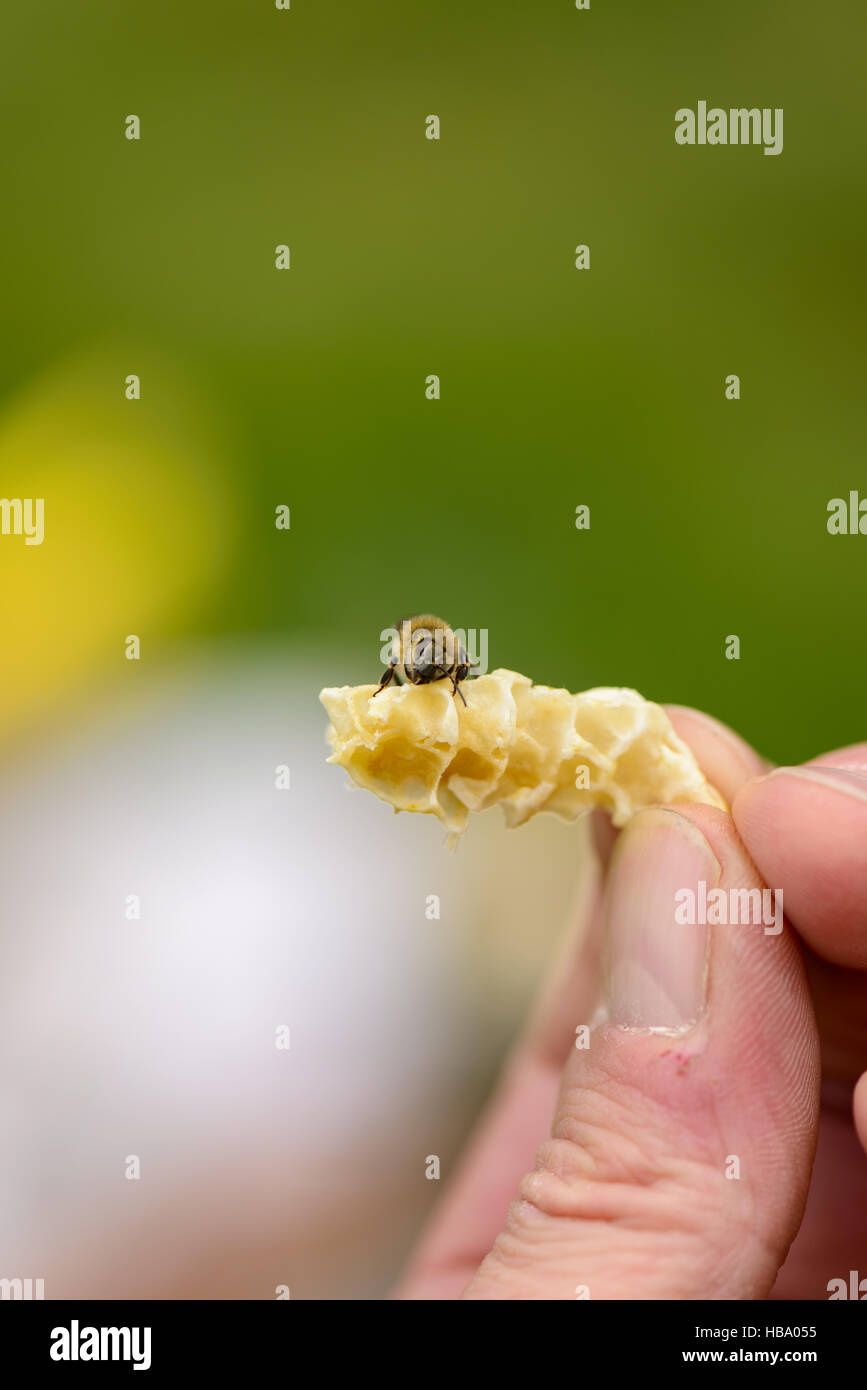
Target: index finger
<point>806,830</point>
<point>726,760</point>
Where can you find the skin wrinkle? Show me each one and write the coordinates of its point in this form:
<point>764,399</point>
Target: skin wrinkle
<point>640,1207</point>
<point>585,1204</point>
<point>578,1129</point>
<point>588,1155</point>
<point>693,1262</point>
<point>671,1172</point>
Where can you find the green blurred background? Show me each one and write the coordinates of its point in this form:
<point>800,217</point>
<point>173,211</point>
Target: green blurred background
<point>306,388</point>
<point>412,257</point>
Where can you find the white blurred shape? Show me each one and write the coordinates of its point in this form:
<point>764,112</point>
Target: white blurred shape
<point>259,907</point>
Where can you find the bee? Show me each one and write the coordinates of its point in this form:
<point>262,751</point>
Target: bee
<point>427,650</point>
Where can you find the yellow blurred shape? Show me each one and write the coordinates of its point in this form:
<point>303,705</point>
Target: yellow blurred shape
<point>136,526</point>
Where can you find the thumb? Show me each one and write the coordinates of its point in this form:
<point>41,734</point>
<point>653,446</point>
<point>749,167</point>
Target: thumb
<point>683,1137</point>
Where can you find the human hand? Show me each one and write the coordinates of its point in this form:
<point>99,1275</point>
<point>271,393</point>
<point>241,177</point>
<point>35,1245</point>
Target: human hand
<point>630,1196</point>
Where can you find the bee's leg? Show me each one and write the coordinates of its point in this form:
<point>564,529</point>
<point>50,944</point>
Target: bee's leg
<point>456,690</point>
<point>384,680</point>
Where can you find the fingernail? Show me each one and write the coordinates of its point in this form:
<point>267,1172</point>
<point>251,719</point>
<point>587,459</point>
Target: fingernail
<point>852,784</point>
<point>656,966</point>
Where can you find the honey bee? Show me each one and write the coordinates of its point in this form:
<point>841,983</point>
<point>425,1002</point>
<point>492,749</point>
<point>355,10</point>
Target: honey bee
<point>427,650</point>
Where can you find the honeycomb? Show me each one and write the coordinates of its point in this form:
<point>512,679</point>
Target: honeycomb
<point>526,748</point>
